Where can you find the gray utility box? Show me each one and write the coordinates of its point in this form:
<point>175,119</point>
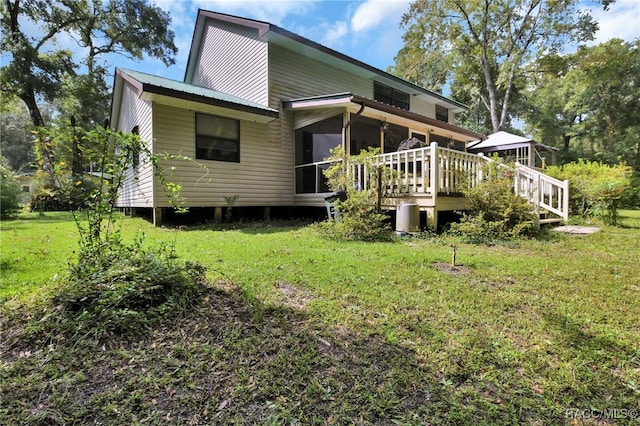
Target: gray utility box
<point>408,218</point>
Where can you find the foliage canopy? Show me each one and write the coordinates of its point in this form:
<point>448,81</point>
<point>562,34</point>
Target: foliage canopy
<point>43,68</point>
<point>480,47</point>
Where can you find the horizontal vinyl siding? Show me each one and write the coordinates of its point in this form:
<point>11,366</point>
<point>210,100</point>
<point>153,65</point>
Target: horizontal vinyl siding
<point>424,108</point>
<point>262,178</point>
<point>233,61</point>
<point>137,189</point>
<point>294,76</point>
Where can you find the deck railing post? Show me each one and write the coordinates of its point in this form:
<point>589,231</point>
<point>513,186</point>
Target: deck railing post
<point>565,201</point>
<point>536,200</point>
<point>516,179</point>
<point>434,171</point>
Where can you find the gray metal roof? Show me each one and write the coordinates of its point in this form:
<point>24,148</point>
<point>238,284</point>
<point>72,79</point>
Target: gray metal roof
<point>165,86</point>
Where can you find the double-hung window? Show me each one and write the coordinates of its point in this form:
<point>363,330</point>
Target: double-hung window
<point>217,138</point>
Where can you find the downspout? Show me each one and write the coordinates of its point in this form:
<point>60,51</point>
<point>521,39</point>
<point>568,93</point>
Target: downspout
<point>344,137</point>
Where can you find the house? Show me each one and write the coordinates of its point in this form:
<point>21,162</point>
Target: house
<point>258,111</point>
<point>517,148</point>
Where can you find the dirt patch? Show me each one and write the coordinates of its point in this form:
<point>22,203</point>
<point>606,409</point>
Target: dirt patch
<point>293,296</point>
<point>454,270</point>
<point>577,230</point>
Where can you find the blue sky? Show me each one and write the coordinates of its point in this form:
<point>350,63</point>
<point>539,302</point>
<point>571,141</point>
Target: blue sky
<point>368,30</point>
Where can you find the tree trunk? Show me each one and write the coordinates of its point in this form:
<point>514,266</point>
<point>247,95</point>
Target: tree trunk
<point>29,98</point>
<point>566,139</point>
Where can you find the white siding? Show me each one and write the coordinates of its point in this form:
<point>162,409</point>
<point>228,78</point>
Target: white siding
<point>264,176</point>
<point>421,107</point>
<point>232,60</point>
<point>294,76</point>
<point>137,190</point>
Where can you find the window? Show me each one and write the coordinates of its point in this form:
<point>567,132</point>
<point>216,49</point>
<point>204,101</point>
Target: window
<point>25,188</point>
<point>442,113</point>
<point>217,138</point>
<point>390,96</point>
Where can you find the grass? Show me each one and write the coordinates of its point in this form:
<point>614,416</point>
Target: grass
<point>300,330</point>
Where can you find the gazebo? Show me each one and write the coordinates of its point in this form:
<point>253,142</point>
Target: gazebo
<point>521,149</point>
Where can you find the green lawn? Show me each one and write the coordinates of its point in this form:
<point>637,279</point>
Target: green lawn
<point>300,330</point>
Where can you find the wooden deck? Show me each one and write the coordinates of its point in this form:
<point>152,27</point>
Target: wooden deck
<point>435,178</point>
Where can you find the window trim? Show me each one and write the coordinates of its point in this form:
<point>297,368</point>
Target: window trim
<point>235,158</point>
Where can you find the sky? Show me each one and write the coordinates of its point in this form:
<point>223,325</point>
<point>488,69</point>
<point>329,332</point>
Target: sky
<point>367,30</point>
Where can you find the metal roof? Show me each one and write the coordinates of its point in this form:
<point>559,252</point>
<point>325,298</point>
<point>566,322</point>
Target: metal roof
<point>346,99</point>
<point>178,89</point>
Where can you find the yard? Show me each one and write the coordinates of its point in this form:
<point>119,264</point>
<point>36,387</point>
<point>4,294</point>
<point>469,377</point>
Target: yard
<point>300,330</point>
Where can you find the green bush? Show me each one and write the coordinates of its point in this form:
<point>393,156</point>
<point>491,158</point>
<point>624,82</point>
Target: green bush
<point>123,289</point>
<point>360,219</point>
<point>64,195</point>
<point>496,212</point>
<point>597,190</point>
<point>10,191</point>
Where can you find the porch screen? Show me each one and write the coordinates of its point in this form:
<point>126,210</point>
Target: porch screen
<point>217,138</point>
<point>313,143</point>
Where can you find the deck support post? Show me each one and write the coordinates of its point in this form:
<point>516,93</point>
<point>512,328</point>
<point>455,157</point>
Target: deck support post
<point>266,213</point>
<point>432,218</point>
<point>158,215</point>
<point>217,215</point>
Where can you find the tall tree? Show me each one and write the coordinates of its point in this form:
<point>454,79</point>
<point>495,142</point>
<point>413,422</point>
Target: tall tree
<point>40,70</point>
<point>16,134</point>
<point>486,43</point>
<point>588,102</point>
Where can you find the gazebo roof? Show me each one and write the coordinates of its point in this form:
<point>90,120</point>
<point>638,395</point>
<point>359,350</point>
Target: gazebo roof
<point>503,141</point>
<point>499,139</point>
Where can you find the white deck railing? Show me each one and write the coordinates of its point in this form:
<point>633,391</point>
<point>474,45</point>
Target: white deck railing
<point>430,170</point>
<point>434,170</point>
<point>542,191</point>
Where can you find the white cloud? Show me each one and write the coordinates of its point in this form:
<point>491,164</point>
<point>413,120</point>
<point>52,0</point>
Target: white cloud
<point>622,20</point>
<point>333,33</point>
<point>272,11</point>
<point>373,13</point>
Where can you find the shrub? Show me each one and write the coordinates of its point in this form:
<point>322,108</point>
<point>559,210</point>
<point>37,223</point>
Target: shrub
<point>122,289</point>
<point>496,212</point>
<point>360,219</point>
<point>10,191</point>
<point>597,189</point>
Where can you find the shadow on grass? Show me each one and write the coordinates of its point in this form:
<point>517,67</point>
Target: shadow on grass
<point>228,361</point>
<point>225,362</point>
<point>29,218</point>
<point>595,357</point>
<point>251,228</point>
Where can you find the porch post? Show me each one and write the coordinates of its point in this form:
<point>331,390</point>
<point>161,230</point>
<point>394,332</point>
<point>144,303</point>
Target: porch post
<point>434,171</point>
<point>532,155</point>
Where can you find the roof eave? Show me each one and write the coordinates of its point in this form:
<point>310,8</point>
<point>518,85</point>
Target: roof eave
<point>348,99</point>
<point>163,91</point>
